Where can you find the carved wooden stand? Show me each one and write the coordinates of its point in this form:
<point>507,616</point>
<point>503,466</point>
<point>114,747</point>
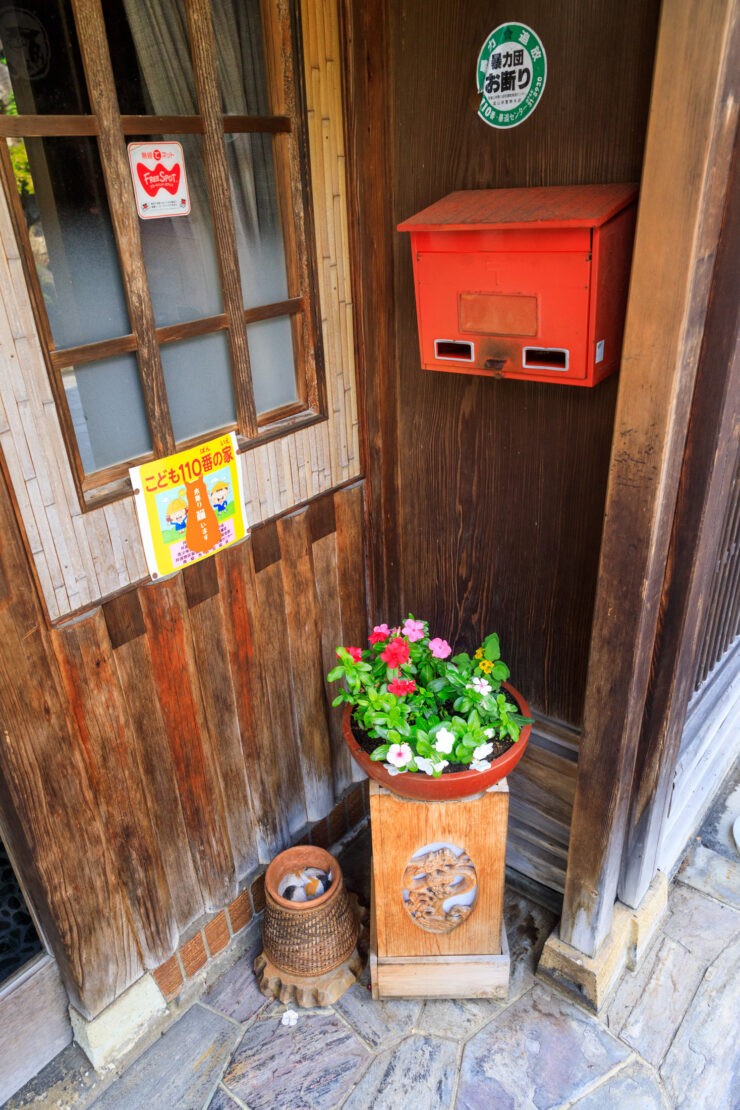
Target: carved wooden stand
<point>436,918</point>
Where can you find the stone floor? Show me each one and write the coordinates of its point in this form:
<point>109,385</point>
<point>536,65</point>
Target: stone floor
<point>668,1039</point>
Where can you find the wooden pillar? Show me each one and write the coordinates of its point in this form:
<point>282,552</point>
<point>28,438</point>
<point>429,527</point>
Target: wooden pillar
<point>706,483</point>
<point>367,93</point>
<point>693,119</point>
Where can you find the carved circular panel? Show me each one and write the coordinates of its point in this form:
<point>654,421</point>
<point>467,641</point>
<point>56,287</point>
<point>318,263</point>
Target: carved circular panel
<point>439,887</point>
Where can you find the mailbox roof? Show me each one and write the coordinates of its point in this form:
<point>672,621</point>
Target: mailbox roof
<point>550,206</point>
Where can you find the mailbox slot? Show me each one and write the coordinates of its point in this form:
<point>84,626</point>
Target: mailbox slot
<point>546,358</point>
<point>454,350</point>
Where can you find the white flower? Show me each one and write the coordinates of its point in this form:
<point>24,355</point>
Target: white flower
<point>489,732</point>
<point>425,765</point>
<point>444,741</point>
<point>399,754</point>
<point>481,686</point>
<point>290,1017</point>
<point>441,763</point>
<point>391,769</point>
<point>482,751</point>
<point>480,764</point>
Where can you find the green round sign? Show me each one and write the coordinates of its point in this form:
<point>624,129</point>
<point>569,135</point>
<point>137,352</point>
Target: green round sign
<point>511,74</point>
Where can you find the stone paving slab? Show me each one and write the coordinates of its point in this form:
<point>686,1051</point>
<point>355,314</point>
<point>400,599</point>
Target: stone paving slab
<point>716,831</point>
<point>457,1017</point>
<point>671,984</point>
<point>699,923</point>
<point>540,1052</point>
<point>702,1068</point>
<point>222,1100</point>
<point>180,1070</point>
<point>68,1080</point>
<point>308,1066</point>
<point>712,874</point>
<point>633,1087</point>
<point>419,1075</point>
<point>379,1022</point>
<point>236,993</point>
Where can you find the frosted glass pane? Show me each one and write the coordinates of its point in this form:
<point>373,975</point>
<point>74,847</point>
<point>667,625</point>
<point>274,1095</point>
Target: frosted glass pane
<point>273,366</point>
<point>199,390</point>
<point>107,409</point>
<point>259,238</point>
<point>60,183</point>
<point>179,251</point>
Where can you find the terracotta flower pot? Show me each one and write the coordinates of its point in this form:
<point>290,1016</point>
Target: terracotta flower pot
<point>449,787</point>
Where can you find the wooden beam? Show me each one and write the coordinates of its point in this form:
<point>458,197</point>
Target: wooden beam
<point>689,145</point>
<point>114,160</point>
<point>706,484</point>
<point>203,49</point>
<point>366,71</point>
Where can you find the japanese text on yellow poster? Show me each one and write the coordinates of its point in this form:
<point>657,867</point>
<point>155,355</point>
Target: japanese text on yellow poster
<point>189,505</point>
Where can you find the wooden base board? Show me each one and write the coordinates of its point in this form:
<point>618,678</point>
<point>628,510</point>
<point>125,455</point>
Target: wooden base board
<point>484,976</point>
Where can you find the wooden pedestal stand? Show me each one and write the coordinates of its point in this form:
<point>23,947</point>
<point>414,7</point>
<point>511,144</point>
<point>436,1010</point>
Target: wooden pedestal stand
<point>422,945</point>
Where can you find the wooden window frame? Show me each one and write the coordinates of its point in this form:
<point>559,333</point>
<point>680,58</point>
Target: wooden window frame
<point>287,125</point>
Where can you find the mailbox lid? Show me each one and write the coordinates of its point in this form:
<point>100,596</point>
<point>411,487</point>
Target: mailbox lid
<point>553,206</point>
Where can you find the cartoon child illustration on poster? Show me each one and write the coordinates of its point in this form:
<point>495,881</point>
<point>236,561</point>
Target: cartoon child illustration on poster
<point>177,512</point>
<point>189,504</point>
<point>219,494</point>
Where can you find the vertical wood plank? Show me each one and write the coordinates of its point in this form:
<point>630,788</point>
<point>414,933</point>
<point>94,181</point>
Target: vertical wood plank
<point>127,633</point>
<point>45,793</point>
<point>304,620</point>
<point>368,78</point>
<point>175,672</point>
<point>260,743</point>
<point>101,88</point>
<point>327,593</point>
<point>348,507</point>
<point>109,751</point>
<point>211,645</point>
<point>687,160</point>
<point>273,649</point>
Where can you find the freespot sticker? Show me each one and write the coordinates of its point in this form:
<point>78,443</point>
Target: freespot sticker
<point>511,75</point>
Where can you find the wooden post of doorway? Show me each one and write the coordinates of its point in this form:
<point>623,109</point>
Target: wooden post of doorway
<point>691,130</point>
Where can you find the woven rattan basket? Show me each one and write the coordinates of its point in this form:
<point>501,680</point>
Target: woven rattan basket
<point>307,938</point>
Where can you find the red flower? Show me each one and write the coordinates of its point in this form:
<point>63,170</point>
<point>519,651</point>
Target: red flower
<point>396,653</point>
<point>380,633</point>
<point>401,686</point>
<point>356,653</point>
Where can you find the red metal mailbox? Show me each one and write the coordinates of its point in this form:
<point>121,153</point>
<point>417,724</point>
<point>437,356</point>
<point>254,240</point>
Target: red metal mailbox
<point>524,283</point>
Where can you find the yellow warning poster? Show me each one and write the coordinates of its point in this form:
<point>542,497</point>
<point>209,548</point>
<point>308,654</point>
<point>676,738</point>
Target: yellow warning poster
<point>189,505</point>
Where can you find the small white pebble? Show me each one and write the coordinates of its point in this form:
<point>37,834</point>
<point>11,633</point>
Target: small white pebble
<point>290,1017</point>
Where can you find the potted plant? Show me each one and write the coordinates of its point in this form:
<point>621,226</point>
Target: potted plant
<point>425,723</point>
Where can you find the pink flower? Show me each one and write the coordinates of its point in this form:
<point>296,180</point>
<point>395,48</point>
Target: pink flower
<point>401,686</point>
<point>380,633</point>
<point>356,653</point>
<point>399,755</point>
<point>413,630</point>
<point>440,649</point>
<point>396,653</point>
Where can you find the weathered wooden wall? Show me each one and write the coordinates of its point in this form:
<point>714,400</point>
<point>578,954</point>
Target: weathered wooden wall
<point>82,556</point>
<point>495,489</point>
<point>159,747</point>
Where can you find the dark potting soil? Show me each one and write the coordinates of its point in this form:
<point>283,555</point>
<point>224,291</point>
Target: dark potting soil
<point>369,744</point>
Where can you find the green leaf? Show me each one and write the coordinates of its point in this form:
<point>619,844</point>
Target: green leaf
<point>461,660</point>
<point>380,753</point>
<point>491,649</point>
<point>338,700</point>
<point>394,735</point>
<point>436,685</point>
<point>336,673</point>
<point>500,671</point>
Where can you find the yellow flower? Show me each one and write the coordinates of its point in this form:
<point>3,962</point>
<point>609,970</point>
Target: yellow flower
<point>486,666</point>
<point>479,653</point>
